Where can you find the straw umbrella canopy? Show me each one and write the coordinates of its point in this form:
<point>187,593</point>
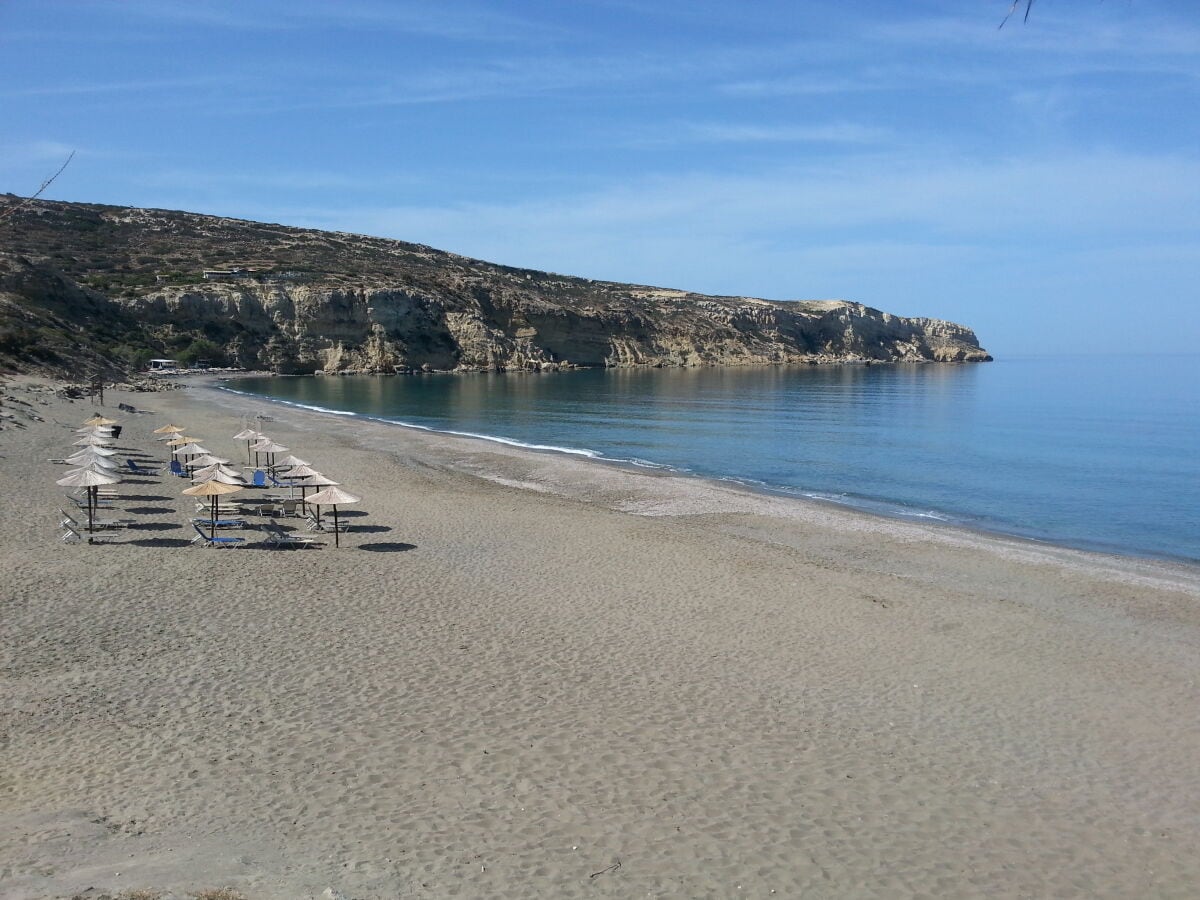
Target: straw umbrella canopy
<point>100,420</point>
<point>212,490</point>
<point>189,450</point>
<point>295,473</point>
<point>290,462</point>
<point>249,435</point>
<point>90,479</point>
<point>95,450</point>
<point>168,432</point>
<point>87,457</point>
<point>207,459</point>
<point>218,472</point>
<point>102,430</point>
<point>269,447</point>
<point>92,440</point>
<point>332,496</point>
<point>218,475</point>
<point>316,479</point>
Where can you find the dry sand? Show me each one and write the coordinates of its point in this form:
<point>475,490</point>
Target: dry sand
<point>526,675</point>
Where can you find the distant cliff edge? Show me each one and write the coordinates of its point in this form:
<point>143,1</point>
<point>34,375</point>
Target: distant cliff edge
<point>95,289</point>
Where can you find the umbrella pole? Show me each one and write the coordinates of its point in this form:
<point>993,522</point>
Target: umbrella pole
<point>336,542</point>
<point>213,512</point>
<point>89,502</point>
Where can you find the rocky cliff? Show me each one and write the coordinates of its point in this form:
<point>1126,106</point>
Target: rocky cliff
<point>294,300</point>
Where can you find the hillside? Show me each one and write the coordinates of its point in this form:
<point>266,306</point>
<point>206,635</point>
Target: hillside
<point>91,289</point>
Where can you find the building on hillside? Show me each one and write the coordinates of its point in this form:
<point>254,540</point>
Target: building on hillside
<point>227,274</point>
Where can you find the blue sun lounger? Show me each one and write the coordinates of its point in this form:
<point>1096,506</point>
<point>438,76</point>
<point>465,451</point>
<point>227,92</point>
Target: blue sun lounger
<point>219,541</point>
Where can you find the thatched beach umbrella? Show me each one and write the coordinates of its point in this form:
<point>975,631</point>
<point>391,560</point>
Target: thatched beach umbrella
<point>290,462</point>
<point>188,451</point>
<point>294,475</point>
<point>249,435</point>
<point>92,440</point>
<point>269,447</point>
<point>316,479</point>
<point>168,432</point>
<point>212,490</point>
<point>217,467</point>
<point>89,457</point>
<point>332,496</point>
<point>207,459</point>
<point>90,479</point>
<point>100,420</point>
<point>218,473</point>
<point>95,450</point>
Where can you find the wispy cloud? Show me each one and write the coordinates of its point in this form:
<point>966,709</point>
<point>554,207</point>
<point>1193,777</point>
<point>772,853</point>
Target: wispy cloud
<point>454,21</point>
<point>262,180</point>
<point>714,233</point>
<point>751,133</point>
<point>116,87</point>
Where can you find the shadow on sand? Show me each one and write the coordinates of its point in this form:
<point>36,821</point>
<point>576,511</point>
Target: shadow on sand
<point>160,542</point>
<point>387,547</point>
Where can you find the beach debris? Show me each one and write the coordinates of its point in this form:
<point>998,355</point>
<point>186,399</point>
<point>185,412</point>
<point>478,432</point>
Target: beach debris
<point>610,869</point>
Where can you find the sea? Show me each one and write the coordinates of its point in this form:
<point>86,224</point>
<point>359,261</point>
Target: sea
<point>1096,453</point>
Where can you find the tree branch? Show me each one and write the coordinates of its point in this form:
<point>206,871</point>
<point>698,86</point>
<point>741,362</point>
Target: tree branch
<point>45,184</point>
<point>1012,9</point>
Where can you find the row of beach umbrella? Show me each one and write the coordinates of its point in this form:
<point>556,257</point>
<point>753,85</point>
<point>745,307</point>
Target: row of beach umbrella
<point>213,477</point>
<point>95,466</point>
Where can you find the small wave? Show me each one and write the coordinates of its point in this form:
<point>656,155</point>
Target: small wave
<point>879,507</point>
<point>496,439</point>
<point>511,442</point>
<point>293,403</point>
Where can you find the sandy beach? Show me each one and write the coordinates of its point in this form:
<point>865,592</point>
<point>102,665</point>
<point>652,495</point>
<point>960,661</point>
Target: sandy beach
<point>531,675</point>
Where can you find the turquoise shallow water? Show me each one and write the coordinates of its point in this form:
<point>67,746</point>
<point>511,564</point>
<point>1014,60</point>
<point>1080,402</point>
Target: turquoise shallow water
<point>1097,453</point>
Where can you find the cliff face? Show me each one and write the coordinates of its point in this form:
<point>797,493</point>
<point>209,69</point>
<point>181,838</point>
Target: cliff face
<point>316,301</point>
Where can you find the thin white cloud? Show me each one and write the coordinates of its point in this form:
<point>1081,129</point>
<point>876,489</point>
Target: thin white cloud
<point>453,21</point>
<point>731,231</point>
<point>37,151</point>
<point>262,181</point>
<point>741,132</point>
<point>115,87</point>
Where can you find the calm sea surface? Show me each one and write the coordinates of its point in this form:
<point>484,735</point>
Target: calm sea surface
<point>1098,453</point>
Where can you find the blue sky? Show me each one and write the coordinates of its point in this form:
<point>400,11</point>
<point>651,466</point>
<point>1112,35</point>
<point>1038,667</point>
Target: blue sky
<point>1039,183</point>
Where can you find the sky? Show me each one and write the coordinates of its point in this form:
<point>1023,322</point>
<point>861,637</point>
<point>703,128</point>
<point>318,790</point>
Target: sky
<point>1039,183</point>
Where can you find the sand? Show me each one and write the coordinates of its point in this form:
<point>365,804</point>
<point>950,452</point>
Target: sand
<point>529,675</point>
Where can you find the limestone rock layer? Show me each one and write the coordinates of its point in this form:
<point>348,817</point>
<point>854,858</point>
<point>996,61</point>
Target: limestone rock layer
<point>297,300</point>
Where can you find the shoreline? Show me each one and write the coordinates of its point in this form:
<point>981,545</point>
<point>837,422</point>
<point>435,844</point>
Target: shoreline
<point>522,675</point>
<point>213,383</point>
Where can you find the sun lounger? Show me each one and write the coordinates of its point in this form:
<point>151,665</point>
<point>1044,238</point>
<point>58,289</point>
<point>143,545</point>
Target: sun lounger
<point>221,523</point>
<point>177,469</point>
<point>326,524</point>
<point>277,537</point>
<point>138,470</point>
<point>69,520</point>
<point>219,541</point>
<point>81,502</point>
<point>71,536</point>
